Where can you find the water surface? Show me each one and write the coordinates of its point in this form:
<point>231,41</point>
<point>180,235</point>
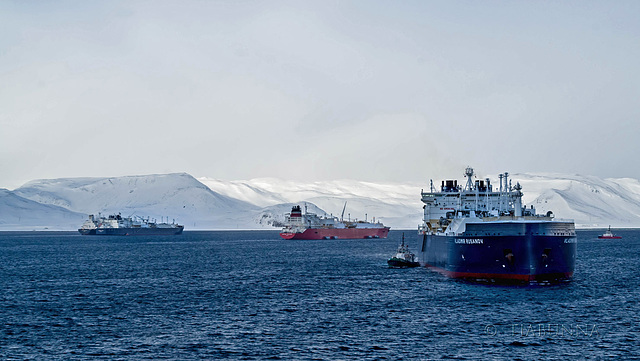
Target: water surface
<point>248,295</point>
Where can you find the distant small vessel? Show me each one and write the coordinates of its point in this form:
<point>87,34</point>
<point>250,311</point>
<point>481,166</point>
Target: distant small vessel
<point>309,226</point>
<point>609,235</point>
<point>116,225</point>
<point>403,258</point>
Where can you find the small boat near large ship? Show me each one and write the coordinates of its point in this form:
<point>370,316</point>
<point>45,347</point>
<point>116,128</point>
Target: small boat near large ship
<point>478,233</point>
<point>116,225</point>
<point>310,226</point>
<point>609,235</point>
<point>403,257</point>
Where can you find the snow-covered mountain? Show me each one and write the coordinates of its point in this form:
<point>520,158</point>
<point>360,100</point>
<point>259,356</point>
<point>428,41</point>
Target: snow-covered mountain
<point>590,201</point>
<point>208,203</point>
<point>173,196</point>
<point>395,204</point>
<point>18,213</point>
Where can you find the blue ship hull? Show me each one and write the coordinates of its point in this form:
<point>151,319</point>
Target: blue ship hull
<point>150,231</point>
<point>503,251</point>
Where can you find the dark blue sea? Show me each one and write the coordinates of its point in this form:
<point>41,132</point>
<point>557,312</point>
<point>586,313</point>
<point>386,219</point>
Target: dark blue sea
<point>248,295</point>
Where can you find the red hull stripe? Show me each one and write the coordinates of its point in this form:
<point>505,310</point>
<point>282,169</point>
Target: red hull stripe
<point>504,276</point>
<point>340,233</point>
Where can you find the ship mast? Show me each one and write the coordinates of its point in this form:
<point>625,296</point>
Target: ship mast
<point>469,174</point>
<point>500,196</point>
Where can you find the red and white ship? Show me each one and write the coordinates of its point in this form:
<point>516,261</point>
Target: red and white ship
<point>312,226</point>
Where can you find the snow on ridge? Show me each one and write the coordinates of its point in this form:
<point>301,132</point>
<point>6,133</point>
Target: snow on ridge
<point>365,200</point>
<point>243,191</point>
<point>208,203</point>
<point>273,190</point>
<point>19,213</point>
<point>591,201</point>
<point>176,196</point>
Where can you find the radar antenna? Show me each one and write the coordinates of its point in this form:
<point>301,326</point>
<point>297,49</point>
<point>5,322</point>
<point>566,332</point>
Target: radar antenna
<point>469,173</point>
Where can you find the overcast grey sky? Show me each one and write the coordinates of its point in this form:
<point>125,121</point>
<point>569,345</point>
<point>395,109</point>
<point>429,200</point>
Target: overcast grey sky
<point>306,90</point>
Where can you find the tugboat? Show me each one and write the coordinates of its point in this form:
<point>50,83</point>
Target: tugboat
<point>403,258</point>
<point>609,235</point>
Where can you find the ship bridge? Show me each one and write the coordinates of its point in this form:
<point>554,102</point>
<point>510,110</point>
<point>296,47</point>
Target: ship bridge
<point>477,199</point>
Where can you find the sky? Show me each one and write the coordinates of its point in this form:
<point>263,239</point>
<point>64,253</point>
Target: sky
<point>318,90</point>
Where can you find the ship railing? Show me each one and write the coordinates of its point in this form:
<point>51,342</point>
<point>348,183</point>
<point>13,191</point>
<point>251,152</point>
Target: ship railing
<point>516,218</point>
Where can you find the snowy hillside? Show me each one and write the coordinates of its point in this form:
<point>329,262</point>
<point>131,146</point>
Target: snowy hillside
<point>173,196</point>
<point>207,203</point>
<point>395,204</point>
<point>17,213</point>
<point>590,201</point>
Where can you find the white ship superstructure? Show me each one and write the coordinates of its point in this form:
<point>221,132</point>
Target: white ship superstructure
<point>311,226</point>
<point>116,224</point>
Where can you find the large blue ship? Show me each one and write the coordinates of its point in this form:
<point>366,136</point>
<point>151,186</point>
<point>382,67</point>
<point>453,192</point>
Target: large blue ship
<point>116,225</point>
<point>478,233</point>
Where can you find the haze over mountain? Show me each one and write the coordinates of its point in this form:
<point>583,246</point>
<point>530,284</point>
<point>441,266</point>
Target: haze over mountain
<point>18,213</point>
<point>208,203</point>
<point>173,196</point>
